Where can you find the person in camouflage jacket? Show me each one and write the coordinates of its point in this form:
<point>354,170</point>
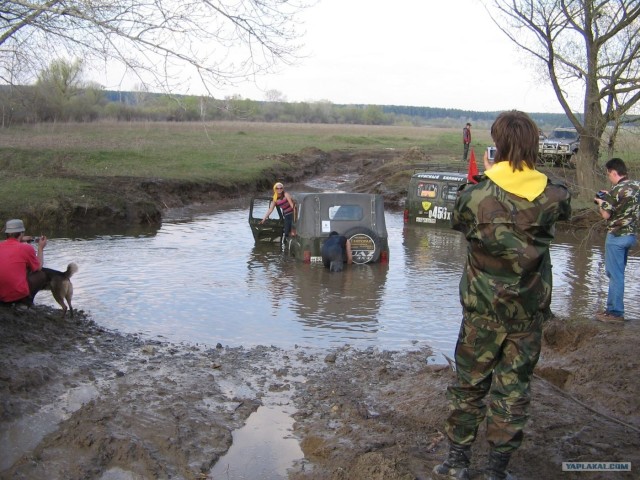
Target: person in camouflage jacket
<point>508,218</point>
<point>620,207</point>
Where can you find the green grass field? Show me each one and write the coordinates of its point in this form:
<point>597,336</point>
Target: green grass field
<point>40,162</point>
<point>46,161</point>
<point>196,150</point>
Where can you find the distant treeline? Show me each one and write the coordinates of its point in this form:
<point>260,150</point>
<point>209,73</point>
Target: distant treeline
<point>432,113</point>
<point>42,103</point>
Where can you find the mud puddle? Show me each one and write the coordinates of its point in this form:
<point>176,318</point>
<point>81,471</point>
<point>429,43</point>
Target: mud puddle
<point>264,447</point>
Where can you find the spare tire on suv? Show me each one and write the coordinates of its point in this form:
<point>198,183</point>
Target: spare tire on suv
<point>365,245</point>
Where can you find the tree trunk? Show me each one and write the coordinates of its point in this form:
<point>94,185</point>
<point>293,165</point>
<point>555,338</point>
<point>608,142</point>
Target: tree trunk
<point>587,168</point>
<point>611,143</point>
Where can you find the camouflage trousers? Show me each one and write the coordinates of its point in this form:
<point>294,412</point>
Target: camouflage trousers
<point>495,360</point>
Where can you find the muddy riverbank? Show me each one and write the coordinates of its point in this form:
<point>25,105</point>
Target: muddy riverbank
<point>128,201</point>
<point>80,402</point>
<point>121,201</point>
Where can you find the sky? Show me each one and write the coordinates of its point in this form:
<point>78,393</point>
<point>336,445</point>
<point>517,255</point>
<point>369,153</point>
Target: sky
<point>429,53</point>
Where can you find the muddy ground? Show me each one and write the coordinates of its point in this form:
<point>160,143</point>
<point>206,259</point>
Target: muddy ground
<point>100,405</point>
<point>78,401</point>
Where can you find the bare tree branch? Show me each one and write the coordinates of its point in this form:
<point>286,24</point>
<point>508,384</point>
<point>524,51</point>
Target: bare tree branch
<point>218,42</point>
<point>588,46</point>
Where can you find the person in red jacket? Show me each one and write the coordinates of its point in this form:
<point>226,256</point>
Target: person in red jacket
<point>466,140</point>
<point>21,276</point>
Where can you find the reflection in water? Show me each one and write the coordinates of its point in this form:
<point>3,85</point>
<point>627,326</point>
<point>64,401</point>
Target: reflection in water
<point>349,300</point>
<point>325,304</point>
<point>204,281</point>
<point>263,448</point>
<point>434,259</point>
<point>268,269</point>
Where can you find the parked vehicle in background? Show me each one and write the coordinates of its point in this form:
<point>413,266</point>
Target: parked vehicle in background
<point>357,216</point>
<point>431,196</point>
<point>559,149</point>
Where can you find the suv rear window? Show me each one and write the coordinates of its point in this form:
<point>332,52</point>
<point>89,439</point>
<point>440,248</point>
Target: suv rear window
<point>450,192</point>
<point>427,190</point>
<point>346,212</point>
<point>430,190</point>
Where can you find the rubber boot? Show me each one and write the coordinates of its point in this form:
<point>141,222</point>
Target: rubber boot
<point>457,463</point>
<point>497,467</point>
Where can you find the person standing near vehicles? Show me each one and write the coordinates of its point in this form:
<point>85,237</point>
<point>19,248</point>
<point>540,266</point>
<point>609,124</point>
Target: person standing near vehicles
<point>21,276</point>
<point>466,140</point>
<point>284,202</point>
<point>508,218</point>
<point>620,207</point>
<point>335,250</point>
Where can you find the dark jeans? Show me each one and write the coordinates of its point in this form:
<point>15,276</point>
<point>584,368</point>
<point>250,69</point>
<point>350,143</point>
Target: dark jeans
<point>288,222</point>
<point>333,258</point>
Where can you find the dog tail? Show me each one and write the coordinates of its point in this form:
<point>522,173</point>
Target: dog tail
<point>71,269</point>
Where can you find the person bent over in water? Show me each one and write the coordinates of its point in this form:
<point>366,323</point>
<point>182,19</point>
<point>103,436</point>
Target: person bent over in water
<point>335,250</point>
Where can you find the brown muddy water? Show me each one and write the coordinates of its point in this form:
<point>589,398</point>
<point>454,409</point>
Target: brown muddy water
<point>200,279</point>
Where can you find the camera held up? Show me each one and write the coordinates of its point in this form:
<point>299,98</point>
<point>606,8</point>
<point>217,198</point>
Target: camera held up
<point>491,154</point>
<point>602,195</point>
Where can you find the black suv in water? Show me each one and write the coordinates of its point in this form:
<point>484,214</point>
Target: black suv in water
<point>357,216</point>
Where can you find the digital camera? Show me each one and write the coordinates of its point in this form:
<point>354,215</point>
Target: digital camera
<point>491,153</point>
<point>601,195</point>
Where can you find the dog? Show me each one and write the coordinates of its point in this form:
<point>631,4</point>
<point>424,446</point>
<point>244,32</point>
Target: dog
<point>59,283</point>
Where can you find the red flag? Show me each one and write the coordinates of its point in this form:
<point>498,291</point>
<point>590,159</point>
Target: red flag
<point>473,168</point>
